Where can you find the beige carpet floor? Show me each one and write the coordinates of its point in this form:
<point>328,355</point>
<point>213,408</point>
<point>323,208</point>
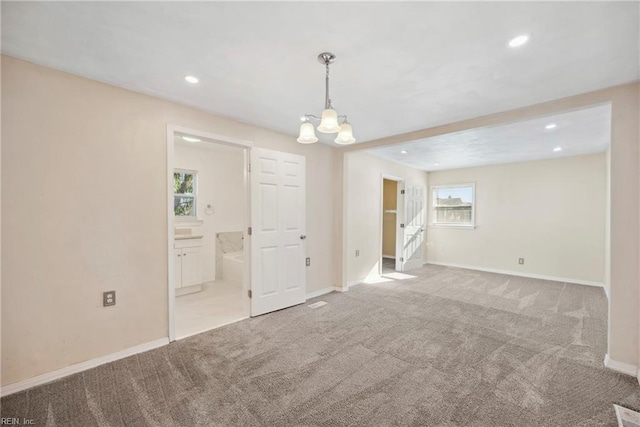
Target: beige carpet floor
<point>444,347</point>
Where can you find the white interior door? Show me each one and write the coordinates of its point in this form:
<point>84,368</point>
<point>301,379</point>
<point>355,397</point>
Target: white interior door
<point>414,218</point>
<point>278,224</point>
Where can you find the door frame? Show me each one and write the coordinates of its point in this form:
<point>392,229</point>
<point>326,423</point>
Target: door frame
<point>172,130</point>
<point>399,216</point>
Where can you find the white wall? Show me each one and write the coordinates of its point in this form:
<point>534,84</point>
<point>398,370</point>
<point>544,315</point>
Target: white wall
<point>221,185</point>
<point>363,204</point>
<point>93,157</point>
<point>549,212</point>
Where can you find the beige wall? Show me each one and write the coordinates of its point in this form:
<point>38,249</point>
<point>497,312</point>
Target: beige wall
<point>624,282</point>
<point>221,185</point>
<point>624,303</point>
<point>363,201</point>
<point>549,212</point>
<point>83,227</point>
<point>84,173</point>
<point>389,203</point>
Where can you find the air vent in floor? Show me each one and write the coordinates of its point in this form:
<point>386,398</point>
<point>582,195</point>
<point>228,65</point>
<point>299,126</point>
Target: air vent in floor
<point>317,304</point>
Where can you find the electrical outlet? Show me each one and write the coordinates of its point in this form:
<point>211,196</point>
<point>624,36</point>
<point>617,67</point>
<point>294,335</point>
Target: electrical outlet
<point>108,298</point>
<point>357,252</point>
<point>521,261</point>
<point>308,262</point>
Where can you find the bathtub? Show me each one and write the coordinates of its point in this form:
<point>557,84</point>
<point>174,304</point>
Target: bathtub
<point>233,266</point>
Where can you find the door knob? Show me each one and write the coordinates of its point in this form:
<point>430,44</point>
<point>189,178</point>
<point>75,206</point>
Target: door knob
<point>302,237</point>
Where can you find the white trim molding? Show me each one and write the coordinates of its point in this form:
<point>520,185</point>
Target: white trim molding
<point>172,222</point>
<point>623,368</point>
<point>324,291</point>
<point>79,367</point>
<point>211,329</point>
<point>521,274</point>
<point>431,206</point>
<point>355,282</point>
<point>172,128</point>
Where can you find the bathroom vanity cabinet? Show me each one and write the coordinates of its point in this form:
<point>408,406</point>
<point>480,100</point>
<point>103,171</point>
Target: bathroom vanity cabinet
<point>188,264</point>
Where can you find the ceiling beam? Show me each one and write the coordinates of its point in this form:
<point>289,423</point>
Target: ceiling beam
<point>549,108</point>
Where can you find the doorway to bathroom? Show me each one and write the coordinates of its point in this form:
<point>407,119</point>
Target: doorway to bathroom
<point>210,214</point>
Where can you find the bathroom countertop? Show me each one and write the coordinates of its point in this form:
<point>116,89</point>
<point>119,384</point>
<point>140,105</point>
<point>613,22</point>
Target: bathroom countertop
<point>187,237</point>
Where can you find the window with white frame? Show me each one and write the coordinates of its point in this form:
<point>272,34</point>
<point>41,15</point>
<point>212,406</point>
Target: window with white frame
<point>184,193</point>
<point>453,205</point>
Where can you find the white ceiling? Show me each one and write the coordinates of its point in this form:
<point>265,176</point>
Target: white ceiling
<point>401,66</point>
<point>576,132</point>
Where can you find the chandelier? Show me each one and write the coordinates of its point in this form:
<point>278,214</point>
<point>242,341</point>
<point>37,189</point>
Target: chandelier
<point>329,122</point>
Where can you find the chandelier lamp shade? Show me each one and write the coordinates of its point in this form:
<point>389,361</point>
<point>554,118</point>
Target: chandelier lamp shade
<point>329,121</point>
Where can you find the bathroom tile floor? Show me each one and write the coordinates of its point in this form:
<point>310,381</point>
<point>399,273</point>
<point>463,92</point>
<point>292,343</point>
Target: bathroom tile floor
<point>219,303</point>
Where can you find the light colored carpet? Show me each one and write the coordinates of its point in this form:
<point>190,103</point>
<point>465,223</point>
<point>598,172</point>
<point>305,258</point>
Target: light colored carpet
<point>447,347</point>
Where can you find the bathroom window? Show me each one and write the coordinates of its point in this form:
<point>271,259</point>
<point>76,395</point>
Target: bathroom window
<point>185,193</point>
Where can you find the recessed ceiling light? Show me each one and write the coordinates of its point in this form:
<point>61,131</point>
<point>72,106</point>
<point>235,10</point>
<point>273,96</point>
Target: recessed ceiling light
<point>551,126</point>
<point>436,164</point>
<point>403,152</point>
<point>557,149</point>
<point>192,79</point>
<point>518,41</point>
<point>190,139</point>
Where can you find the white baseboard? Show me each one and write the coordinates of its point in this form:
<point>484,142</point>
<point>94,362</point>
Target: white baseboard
<point>320,292</point>
<point>521,274</point>
<point>623,368</point>
<point>211,329</point>
<point>606,291</point>
<point>349,285</point>
<point>389,256</point>
<point>79,367</point>
<point>355,282</point>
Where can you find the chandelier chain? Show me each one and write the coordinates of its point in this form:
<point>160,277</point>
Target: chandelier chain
<point>327,100</point>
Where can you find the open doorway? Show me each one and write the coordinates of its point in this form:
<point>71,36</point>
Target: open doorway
<point>391,240</point>
<point>208,216</point>
<point>221,269</point>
